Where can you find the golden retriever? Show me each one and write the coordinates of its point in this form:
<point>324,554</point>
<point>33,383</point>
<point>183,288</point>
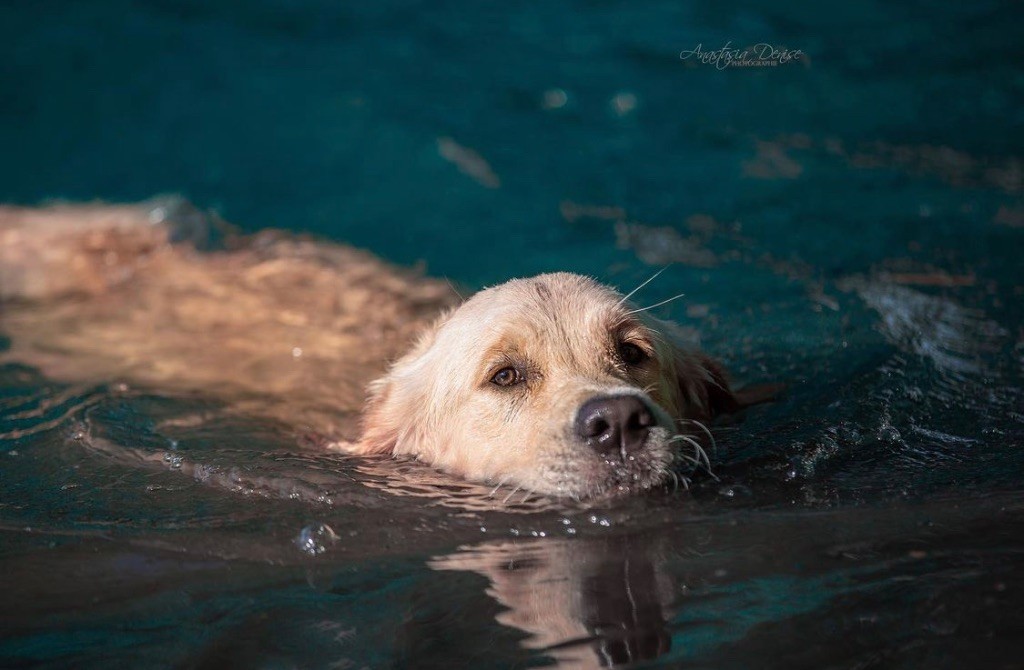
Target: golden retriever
<point>557,383</point>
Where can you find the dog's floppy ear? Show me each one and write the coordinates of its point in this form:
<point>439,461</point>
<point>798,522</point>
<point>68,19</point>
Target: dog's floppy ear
<point>692,386</point>
<point>380,421</point>
<point>704,382</point>
<point>718,393</point>
<point>699,384</point>
<point>395,401</point>
<point>701,387</point>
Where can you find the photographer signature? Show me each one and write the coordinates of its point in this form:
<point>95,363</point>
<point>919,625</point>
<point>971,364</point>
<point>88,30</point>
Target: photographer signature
<point>758,55</point>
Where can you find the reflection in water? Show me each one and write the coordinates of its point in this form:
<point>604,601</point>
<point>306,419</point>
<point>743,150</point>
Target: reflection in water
<point>582,602</point>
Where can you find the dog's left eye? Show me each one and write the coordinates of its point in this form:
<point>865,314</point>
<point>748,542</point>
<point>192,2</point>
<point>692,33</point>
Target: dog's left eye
<point>631,354</point>
<point>507,377</point>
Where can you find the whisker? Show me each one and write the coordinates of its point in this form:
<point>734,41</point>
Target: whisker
<point>696,463</point>
<point>509,496</point>
<point>500,484</point>
<point>714,445</point>
<point>653,277</point>
<point>675,481</point>
<point>452,287</point>
<point>698,453</point>
<point>659,304</point>
<point>527,496</point>
<point>691,460</point>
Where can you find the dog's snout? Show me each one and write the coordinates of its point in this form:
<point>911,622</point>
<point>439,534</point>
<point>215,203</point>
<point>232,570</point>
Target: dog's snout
<point>614,423</point>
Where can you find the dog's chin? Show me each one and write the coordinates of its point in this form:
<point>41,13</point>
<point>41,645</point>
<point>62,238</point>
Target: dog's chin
<point>592,477</point>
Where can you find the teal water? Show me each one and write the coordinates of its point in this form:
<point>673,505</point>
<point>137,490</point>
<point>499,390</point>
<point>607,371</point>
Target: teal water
<point>851,225</point>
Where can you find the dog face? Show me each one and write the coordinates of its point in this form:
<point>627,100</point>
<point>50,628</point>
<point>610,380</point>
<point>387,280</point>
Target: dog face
<point>554,383</point>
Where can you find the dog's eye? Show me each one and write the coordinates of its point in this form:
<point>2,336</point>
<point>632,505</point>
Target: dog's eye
<point>631,354</point>
<point>507,377</point>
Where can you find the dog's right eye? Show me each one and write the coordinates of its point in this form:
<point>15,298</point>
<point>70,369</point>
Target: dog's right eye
<point>507,377</point>
<point>631,354</point>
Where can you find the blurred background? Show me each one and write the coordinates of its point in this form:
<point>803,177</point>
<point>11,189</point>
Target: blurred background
<point>350,120</point>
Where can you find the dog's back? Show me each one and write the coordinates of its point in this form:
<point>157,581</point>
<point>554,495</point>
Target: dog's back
<point>283,325</point>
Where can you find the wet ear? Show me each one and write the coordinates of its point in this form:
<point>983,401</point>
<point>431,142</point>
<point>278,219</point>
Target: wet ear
<point>696,386</point>
<point>381,426</point>
<point>705,384</point>
<point>394,401</point>
<point>702,386</point>
<point>718,393</point>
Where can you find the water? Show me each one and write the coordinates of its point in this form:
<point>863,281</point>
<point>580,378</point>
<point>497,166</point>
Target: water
<point>851,227</point>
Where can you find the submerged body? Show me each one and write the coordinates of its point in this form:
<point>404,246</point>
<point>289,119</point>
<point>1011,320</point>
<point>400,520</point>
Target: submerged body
<point>556,383</point>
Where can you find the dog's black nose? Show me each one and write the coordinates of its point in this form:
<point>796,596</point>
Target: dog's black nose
<point>617,423</point>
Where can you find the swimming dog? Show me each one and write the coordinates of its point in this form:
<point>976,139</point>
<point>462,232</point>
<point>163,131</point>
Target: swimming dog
<point>557,383</point>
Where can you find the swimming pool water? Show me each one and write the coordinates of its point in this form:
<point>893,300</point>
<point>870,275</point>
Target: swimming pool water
<point>850,225</point>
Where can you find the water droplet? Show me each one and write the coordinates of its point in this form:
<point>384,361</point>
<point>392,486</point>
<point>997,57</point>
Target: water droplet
<point>890,434</point>
<point>315,538</point>
<point>735,491</point>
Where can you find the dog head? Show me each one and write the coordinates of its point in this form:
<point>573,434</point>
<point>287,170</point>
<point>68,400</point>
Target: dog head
<point>554,383</point>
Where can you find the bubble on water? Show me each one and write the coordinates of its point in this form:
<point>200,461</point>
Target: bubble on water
<point>315,538</point>
<point>735,491</point>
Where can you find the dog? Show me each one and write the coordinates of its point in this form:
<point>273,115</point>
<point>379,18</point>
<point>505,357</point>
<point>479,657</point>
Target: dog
<point>557,383</point>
